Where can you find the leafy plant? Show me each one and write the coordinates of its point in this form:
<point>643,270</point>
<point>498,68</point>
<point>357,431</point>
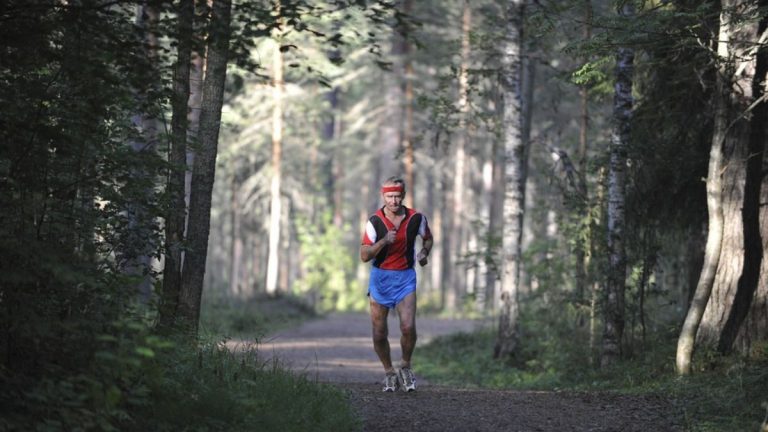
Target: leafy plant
<point>328,268</point>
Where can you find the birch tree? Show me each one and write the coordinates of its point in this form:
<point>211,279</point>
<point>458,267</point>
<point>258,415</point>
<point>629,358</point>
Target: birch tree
<point>274,191</point>
<point>615,218</point>
<point>177,209</point>
<point>135,251</point>
<point>512,123</point>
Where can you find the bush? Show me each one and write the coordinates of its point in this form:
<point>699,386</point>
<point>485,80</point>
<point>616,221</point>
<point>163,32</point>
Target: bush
<point>135,380</point>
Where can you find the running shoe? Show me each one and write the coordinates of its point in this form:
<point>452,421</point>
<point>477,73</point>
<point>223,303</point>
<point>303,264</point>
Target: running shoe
<point>390,382</point>
<point>407,379</point>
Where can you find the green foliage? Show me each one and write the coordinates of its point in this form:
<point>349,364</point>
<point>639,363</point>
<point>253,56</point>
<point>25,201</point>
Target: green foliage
<point>596,75</point>
<point>328,268</point>
<point>724,393</point>
<point>217,389</point>
<point>253,318</point>
<point>131,380</point>
<point>81,199</point>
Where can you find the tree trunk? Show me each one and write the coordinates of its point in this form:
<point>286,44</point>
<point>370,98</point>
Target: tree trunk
<point>134,254</point>
<point>581,248</point>
<point>177,210</point>
<point>741,251</point>
<point>615,284</point>
<point>273,261</point>
<point>731,261</point>
<point>753,232</point>
<point>389,158</point>
<point>457,287</point>
<point>513,124</point>
<point>483,268</point>
<point>496,212</point>
<point>755,326</point>
<point>236,241</point>
<point>407,133</point>
<point>205,165</point>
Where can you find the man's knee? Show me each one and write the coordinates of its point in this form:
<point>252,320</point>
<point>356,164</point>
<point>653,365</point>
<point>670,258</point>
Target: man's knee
<point>408,330</point>
<point>379,335</point>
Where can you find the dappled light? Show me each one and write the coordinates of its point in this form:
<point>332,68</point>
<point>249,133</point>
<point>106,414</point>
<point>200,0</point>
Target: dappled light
<point>294,215</point>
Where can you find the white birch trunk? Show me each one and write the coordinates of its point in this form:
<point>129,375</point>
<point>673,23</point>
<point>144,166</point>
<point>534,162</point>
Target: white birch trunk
<point>273,260</point>
<point>513,124</point>
<point>615,284</point>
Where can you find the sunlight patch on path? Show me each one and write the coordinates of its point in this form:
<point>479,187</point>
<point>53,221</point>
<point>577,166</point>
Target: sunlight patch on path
<point>338,348</point>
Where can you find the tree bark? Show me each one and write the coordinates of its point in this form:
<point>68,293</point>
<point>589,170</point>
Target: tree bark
<point>236,290</point>
<point>458,232</point>
<point>273,261</point>
<point>513,124</point>
<point>407,93</point>
<point>135,251</point>
<point>205,165</point>
<point>741,251</point>
<point>582,262</point>
<point>177,209</point>
<point>752,233</point>
<point>734,252</point>
<point>615,284</point>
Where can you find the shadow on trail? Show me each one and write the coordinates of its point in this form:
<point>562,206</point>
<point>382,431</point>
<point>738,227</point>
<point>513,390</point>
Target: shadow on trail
<point>338,348</point>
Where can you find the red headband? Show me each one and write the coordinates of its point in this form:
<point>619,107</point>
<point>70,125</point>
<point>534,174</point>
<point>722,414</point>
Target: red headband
<point>396,188</point>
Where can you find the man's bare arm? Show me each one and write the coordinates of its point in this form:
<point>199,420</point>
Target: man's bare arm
<point>368,252</point>
<point>427,245</point>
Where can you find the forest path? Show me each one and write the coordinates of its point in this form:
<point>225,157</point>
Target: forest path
<point>337,349</point>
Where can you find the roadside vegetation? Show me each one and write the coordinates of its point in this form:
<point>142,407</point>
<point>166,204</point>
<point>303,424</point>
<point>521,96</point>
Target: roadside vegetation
<point>253,318</point>
<point>724,394</point>
<point>124,377</point>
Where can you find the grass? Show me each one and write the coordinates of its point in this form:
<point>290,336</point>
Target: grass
<point>724,394</point>
<point>238,391</point>
<point>218,390</point>
<point>127,378</point>
<point>252,319</point>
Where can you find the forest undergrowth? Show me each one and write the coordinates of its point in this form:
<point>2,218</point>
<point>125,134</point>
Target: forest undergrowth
<point>127,378</point>
<point>724,394</point>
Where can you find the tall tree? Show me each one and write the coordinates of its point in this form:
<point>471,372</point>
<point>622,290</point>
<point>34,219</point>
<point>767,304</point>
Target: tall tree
<point>407,93</point>
<point>615,281</point>
<point>273,260</point>
<point>456,283</point>
<point>582,262</point>
<point>175,191</point>
<point>734,252</point>
<point>514,183</point>
<point>135,252</point>
<point>204,167</point>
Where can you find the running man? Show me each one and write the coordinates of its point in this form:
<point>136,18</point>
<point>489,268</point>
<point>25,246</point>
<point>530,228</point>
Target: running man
<point>390,240</point>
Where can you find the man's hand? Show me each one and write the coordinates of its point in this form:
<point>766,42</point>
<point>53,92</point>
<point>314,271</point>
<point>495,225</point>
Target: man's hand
<point>390,237</point>
<point>422,257</point>
<point>368,252</point>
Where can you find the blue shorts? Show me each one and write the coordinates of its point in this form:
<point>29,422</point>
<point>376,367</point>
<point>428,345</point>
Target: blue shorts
<point>390,287</point>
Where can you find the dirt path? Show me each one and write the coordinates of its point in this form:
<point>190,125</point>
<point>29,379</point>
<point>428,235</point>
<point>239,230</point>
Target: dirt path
<point>338,350</point>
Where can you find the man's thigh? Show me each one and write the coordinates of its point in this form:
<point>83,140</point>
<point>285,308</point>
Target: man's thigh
<point>379,315</point>
<point>406,310</point>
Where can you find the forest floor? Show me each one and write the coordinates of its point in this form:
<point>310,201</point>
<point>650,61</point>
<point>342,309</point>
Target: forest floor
<point>337,349</point>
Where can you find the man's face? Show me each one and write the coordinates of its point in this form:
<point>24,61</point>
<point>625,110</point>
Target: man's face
<point>393,201</point>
